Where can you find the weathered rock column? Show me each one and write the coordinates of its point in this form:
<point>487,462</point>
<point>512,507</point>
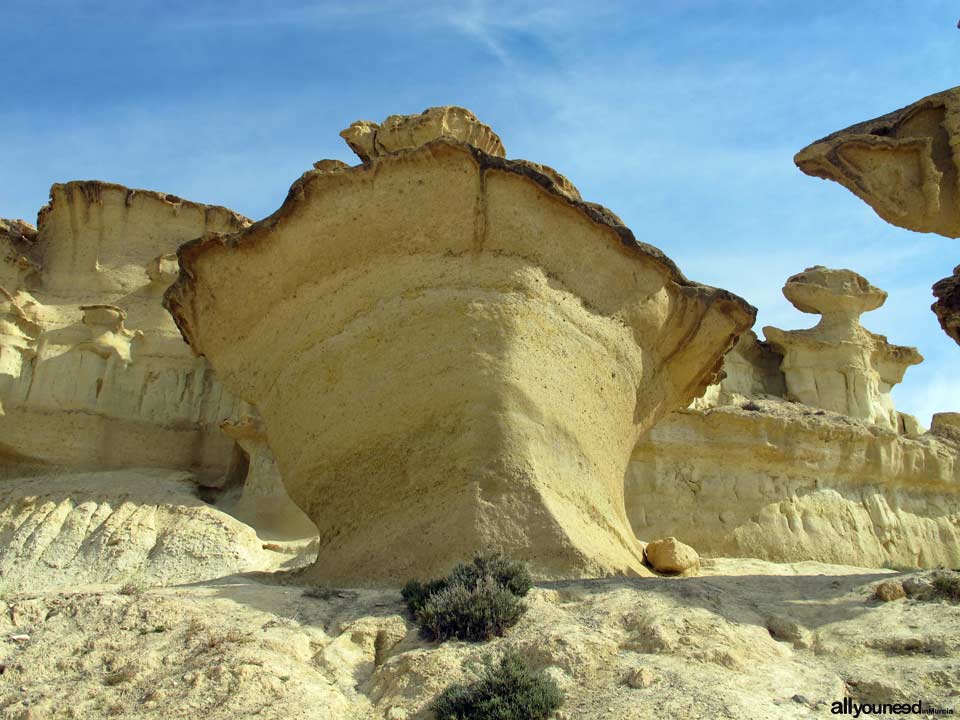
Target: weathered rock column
<point>839,365</point>
<point>451,352</point>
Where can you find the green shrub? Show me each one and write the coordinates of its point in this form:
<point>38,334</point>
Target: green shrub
<point>508,690</point>
<point>509,574</point>
<point>469,613</point>
<point>416,593</point>
<point>947,586</point>
<point>476,601</point>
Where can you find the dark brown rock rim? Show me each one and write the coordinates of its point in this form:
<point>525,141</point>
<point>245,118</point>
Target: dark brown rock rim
<point>92,190</point>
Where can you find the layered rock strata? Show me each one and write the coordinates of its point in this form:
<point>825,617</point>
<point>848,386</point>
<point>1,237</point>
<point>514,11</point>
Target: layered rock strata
<point>906,166</point>
<point>451,352</point>
<point>798,453</point>
<point>93,372</point>
<point>839,365</point>
<point>781,481</point>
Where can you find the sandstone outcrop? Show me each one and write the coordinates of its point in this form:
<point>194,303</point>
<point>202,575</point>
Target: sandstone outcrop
<point>786,482</point>
<point>838,365</point>
<point>18,266</point>
<point>947,305</point>
<point>260,500</point>
<point>144,527</point>
<point>450,352</point>
<point>93,371</point>
<point>906,166</point>
<point>98,235</point>
<point>799,454</point>
<point>946,425</point>
<point>405,132</point>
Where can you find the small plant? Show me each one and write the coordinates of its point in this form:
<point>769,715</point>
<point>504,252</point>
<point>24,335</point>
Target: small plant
<point>509,574</point>
<point>947,586</point>
<point>130,589</point>
<point>476,601</point>
<point>507,690</point>
<point>320,593</point>
<point>469,613</point>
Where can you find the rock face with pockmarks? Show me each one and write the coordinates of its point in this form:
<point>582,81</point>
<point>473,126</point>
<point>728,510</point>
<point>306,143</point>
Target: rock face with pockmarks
<point>906,166</point>
<point>451,352</point>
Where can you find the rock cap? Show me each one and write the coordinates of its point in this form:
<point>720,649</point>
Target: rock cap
<point>404,132</point>
<point>821,290</point>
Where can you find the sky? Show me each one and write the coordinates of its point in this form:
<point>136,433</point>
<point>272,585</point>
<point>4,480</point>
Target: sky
<point>682,117</point>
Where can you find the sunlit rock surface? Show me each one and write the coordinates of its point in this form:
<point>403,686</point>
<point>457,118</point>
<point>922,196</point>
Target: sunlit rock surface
<point>451,352</point>
<point>906,166</point>
<point>93,372</point>
<point>839,365</point>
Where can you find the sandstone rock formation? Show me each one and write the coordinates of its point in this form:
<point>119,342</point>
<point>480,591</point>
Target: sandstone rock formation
<point>138,526</point>
<point>785,482</point>
<point>405,132</point>
<point>946,425</point>
<point>947,305</point>
<point>669,555</point>
<point>451,352</point>
<point>260,500</point>
<point>799,454</point>
<point>838,365</point>
<point>18,267</point>
<point>93,372</point>
<point>906,166</point>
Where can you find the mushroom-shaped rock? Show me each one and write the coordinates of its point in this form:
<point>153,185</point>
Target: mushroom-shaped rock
<point>451,354</point>
<point>839,365</point>
<point>904,165</point>
<point>947,305</point>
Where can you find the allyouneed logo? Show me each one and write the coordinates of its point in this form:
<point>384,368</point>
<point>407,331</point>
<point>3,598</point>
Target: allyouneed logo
<point>849,707</point>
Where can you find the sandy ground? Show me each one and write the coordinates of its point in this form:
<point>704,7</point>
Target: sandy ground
<point>260,645</point>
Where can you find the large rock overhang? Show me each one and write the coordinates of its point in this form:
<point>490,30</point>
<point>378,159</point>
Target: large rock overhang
<point>442,318</point>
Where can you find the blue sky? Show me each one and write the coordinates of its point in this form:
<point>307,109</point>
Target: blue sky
<point>682,117</point>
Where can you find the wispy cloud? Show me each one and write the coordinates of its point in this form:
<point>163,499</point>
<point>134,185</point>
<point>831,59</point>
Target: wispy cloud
<point>682,117</point>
